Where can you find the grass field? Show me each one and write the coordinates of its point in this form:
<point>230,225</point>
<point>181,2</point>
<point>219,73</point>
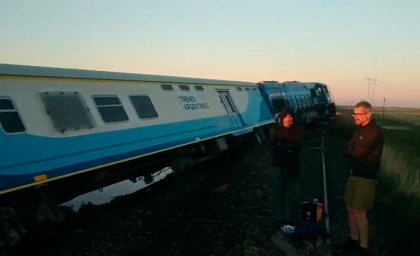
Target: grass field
<point>402,116</point>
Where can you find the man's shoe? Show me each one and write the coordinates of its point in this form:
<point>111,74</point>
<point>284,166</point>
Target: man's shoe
<point>278,224</point>
<point>349,245</point>
<point>360,251</point>
<point>288,229</point>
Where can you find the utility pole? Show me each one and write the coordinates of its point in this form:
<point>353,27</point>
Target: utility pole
<point>383,111</point>
<point>371,90</point>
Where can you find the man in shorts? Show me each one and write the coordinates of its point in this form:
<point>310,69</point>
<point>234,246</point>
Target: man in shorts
<point>364,151</point>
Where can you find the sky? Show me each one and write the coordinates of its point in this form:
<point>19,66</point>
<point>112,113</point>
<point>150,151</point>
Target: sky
<point>363,49</point>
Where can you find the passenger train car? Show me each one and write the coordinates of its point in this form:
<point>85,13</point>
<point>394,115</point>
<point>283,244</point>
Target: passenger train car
<point>60,122</point>
<point>59,125</point>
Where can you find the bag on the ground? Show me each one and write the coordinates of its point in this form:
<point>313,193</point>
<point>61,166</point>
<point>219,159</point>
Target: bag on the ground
<point>309,231</point>
<point>312,212</point>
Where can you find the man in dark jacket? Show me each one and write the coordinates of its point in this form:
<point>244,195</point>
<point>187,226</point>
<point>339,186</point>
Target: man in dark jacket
<point>285,141</point>
<point>364,151</point>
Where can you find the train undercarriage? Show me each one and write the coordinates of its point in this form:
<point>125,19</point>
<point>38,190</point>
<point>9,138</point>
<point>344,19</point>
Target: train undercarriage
<point>39,208</point>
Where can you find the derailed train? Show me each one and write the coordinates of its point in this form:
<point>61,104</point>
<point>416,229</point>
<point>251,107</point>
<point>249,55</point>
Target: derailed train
<point>59,125</point>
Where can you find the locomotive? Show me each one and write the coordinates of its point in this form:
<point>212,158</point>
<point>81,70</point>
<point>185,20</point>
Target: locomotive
<point>62,129</point>
<point>310,101</point>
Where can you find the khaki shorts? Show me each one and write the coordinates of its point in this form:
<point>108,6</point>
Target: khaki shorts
<point>360,192</point>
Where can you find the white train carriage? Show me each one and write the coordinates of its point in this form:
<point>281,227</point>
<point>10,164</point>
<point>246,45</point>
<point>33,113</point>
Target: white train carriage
<point>56,123</point>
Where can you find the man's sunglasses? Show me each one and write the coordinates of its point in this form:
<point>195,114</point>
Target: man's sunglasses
<point>359,114</point>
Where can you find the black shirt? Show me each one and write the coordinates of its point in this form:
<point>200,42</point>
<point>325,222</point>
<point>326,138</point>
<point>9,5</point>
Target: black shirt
<point>365,150</point>
<point>285,145</point>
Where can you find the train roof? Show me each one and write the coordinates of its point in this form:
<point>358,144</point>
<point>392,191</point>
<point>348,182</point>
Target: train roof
<point>289,83</point>
<point>37,71</point>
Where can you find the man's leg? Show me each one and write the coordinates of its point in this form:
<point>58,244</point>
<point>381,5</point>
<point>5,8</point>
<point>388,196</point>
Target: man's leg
<point>278,186</point>
<point>290,203</point>
<point>363,199</point>
<point>353,225</point>
<point>362,226</point>
<point>352,243</point>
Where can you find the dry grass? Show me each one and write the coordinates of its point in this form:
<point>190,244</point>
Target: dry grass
<point>405,177</point>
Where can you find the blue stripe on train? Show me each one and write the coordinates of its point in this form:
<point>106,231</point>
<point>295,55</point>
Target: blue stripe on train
<point>10,181</point>
<point>151,139</point>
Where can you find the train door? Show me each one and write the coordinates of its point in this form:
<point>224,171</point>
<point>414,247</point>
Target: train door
<point>230,108</point>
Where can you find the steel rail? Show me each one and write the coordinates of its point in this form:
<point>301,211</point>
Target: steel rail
<point>324,174</point>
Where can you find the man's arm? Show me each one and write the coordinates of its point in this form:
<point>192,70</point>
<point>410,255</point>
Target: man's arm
<point>363,144</point>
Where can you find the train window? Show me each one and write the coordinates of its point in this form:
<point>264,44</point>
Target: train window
<point>143,106</point>
<point>254,89</point>
<point>10,120</point>
<point>110,108</point>
<point>184,87</point>
<point>67,111</point>
<point>278,104</point>
<point>246,89</point>
<point>199,87</point>
<point>239,89</point>
<point>166,87</point>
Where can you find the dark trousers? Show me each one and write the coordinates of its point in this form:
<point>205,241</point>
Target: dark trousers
<point>284,188</point>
